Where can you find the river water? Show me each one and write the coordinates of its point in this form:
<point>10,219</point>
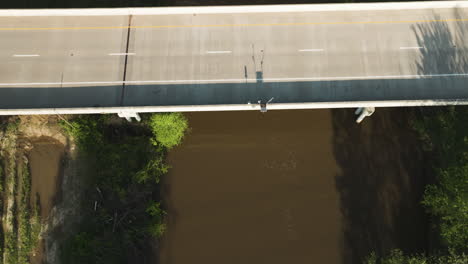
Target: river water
<point>45,164</point>
<point>247,187</point>
<point>45,161</point>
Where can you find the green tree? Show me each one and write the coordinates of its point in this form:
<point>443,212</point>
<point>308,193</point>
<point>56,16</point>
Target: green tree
<point>397,256</point>
<point>449,201</point>
<point>125,169</point>
<point>168,129</point>
<point>445,134</point>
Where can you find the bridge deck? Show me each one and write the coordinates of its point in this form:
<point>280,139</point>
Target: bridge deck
<point>204,58</point>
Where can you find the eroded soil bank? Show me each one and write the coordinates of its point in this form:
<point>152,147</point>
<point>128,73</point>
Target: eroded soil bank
<point>294,187</point>
<point>36,161</point>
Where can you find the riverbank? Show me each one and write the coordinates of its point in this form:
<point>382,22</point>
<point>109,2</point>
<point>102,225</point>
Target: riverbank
<point>75,189</point>
<point>384,172</point>
<point>309,185</point>
<point>122,215</point>
<point>30,154</point>
<point>443,134</point>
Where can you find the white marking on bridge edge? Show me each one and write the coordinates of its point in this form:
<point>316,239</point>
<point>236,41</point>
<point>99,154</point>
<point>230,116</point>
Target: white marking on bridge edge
<point>344,78</point>
<point>121,54</point>
<point>406,48</point>
<point>26,55</point>
<point>234,9</point>
<point>231,107</point>
<point>218,51</point>
<point>310,50</point>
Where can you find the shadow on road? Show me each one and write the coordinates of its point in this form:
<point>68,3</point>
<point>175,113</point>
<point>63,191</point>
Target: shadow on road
<point>445,45</point>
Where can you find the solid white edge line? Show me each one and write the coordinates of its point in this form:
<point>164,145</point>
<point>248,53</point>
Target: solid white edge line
<point>121,54</point>
<point>242,80</point>
<point>405,48</point>
<point>218,51</point>
<point>26,55</point>
<point>310,50</point>
<point>234,9</point>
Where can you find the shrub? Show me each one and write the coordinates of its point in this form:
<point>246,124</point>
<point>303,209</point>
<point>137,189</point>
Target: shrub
<point>449,201</point>
<point>397,256</point>
<point>168,128</point>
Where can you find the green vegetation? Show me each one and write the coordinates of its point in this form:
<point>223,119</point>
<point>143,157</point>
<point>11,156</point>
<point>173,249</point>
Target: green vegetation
<point>1,179</point>
<point>10,248</point>
<point>448,200</point>
<point>168,129</point>
<point>121,212</point>
<point>2,238</point>
<point>29,226</point>
<point>397,257</point>
<point>444,132</point>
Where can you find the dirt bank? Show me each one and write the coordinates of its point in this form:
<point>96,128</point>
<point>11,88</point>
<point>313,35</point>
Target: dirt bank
<point>56,177</point>
<point>383,173</point>
<point>247,187</point>
<point>33,151</point>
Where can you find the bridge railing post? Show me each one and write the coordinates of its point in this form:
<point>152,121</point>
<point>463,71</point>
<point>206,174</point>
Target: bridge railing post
<point>363,112</point>
<point>129,116</point>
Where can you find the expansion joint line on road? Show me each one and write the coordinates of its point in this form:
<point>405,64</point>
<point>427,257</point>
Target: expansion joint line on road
<point>122,95</point>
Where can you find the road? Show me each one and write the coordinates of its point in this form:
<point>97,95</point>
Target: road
<point>234,58</point>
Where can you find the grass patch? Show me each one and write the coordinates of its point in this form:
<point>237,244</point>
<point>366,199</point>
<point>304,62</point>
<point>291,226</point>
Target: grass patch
<point>2,238</point>
<point>11,247</point>
<point>29,224</point>
<point>2,175</point>
<point>11,235</point>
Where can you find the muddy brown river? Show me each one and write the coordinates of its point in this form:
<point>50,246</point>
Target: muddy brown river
<point>296,187</point>
<point>247,187</point>
<point>293,187</point>
<point>45,164</point>
<point>45,159</point>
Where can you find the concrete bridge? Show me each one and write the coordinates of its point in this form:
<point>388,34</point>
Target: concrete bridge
<point>135,60</point>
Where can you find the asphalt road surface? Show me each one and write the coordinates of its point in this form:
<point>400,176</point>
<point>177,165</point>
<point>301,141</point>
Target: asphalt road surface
<point>233,58</point>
